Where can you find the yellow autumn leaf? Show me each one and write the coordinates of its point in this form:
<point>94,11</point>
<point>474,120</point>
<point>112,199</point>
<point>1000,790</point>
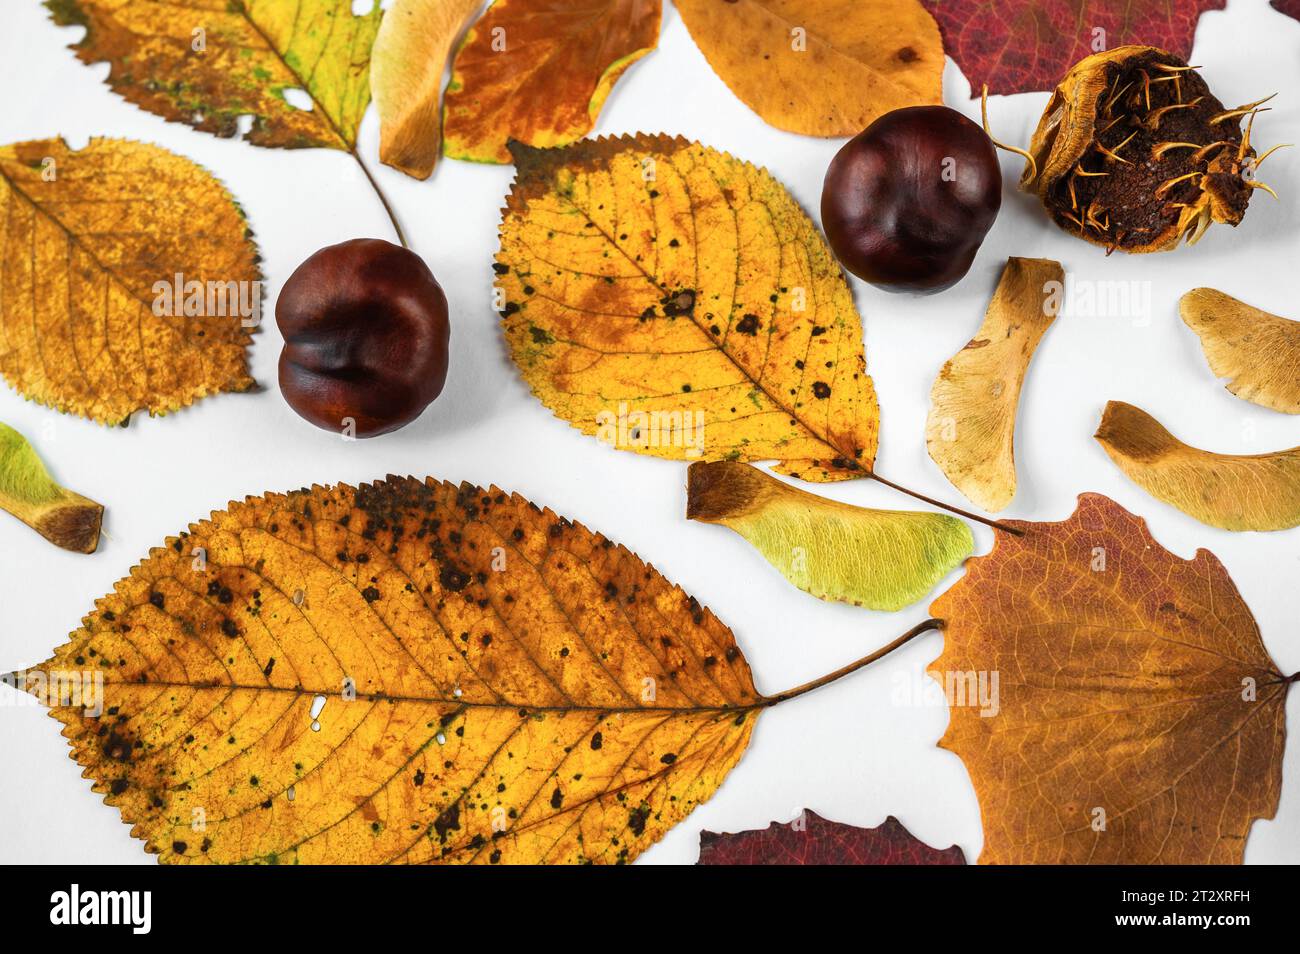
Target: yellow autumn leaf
<point>1258,352</point>
<point>207,64</point>
<point>128,279</point>
<point>971,427</point>
<point>407,672</point>
<point>677,302</point>
<point>407,64</point>
<point>820,67</point>
<point>1230,491</point>
<point>539,72</point>
<point>880,559</point>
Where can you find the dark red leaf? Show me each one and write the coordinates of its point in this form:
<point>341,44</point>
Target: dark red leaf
<point>1019,46</point>
<point>812,840</point>
<point>1290,7</point>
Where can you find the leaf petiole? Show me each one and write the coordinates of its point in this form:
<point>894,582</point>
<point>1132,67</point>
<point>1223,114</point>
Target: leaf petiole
<point>923,627</point>
<point>383,199</point>
<point>995,524</point>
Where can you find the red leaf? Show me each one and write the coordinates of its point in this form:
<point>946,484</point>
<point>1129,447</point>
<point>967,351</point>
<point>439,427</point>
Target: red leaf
<point>1021,46</point>
<point>816,841</point>
<point>1290,7</point>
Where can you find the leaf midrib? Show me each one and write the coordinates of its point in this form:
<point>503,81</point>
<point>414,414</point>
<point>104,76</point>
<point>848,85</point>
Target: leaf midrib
<point>847,456</point>
<point>303,84</point>
<point>375,698</point>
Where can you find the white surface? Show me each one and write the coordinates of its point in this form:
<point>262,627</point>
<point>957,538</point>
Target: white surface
<point>852,752</point>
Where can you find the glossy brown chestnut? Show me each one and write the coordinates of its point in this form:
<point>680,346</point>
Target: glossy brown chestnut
<point>907,201</point>
<point>365,337</point>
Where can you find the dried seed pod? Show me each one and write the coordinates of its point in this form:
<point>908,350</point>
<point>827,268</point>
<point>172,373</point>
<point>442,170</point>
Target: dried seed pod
<point>1134,153</point>
<point>27,491</point>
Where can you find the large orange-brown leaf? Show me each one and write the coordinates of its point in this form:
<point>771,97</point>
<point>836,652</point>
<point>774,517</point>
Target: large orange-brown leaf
<point>1136,716</point>
<point>128,279</point>
<point>675,301</point>
<point>207,64</point>
<point>820,67</point>
<point>539,71</point>
<point>498,685</point>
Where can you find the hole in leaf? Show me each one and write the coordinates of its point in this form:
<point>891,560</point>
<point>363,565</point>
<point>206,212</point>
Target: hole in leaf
<point>297,98</point>
<point>317,704</point>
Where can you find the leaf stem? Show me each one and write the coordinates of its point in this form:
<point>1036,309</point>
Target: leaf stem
<point>392,216</point>
<point>996,525</point>
<point>917,630</point>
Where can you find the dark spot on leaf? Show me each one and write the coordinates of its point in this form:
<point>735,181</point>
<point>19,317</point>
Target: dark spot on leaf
<point>453,579</point>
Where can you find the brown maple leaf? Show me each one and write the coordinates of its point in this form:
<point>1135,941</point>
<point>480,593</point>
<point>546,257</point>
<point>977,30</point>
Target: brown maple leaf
<point>1128,711</point>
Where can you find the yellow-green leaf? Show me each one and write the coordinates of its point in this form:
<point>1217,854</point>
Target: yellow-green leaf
<point>880,559</point>
<point>206,63</point>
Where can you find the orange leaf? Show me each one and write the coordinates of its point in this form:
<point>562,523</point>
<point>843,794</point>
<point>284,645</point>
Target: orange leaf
<point>539,71</point>
<point>820,67</point>
<point>677,302</point>
<point>1113,703</point>
<point>128,279</point>
<point>405,672</point>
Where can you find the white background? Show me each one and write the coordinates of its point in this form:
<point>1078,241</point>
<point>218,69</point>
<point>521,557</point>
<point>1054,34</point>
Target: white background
<point>854,752</point>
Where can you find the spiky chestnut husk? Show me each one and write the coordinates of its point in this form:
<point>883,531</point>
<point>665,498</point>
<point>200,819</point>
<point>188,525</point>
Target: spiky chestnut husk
<point>1134,153</point>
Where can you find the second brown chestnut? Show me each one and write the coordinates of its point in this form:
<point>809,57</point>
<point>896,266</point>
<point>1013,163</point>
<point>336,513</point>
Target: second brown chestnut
<point>366,337</point>
<point>907,202</point>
